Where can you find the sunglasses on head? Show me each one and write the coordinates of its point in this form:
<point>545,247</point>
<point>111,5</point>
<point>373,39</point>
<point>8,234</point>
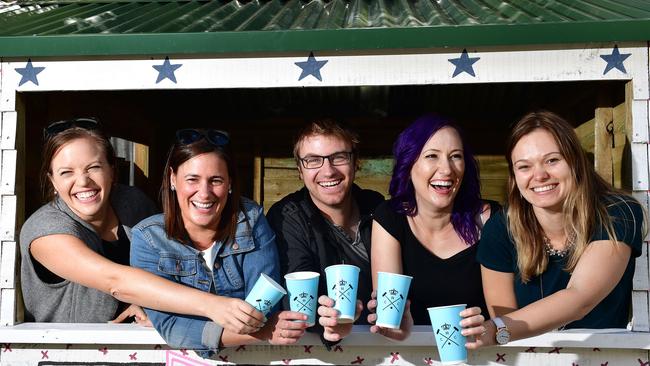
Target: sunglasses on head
<point>215,137</point>
<point>60,126</point>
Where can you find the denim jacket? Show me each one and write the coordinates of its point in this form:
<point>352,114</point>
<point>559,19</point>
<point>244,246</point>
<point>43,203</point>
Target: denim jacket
<point>237,266</point>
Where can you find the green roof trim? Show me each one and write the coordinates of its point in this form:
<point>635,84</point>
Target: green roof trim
<point>95,28</point>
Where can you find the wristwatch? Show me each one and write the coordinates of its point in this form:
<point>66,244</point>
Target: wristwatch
<point>503,334</point>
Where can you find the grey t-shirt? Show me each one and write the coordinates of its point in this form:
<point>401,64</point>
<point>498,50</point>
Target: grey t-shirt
<point>69,302</point>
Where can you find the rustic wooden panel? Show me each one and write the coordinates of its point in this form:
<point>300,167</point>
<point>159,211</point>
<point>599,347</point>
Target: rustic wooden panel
<point>8,176</point>
<point>639,166</point>
<point>8,218</point>
<point>280,177</point>
<point>602,144</point>
<point>641,279</point>
<point>8,264</point>
<point>643,198</point>
<point>641,310</point>
<point>7,92</point>
<point>7,306</point>
<point>639,111</point>
<point>257,179</point>
<point>596,139</point>
<point>8,137</point>
<point>586,136</point>
<point>620,142</point>
<point>141,157</point>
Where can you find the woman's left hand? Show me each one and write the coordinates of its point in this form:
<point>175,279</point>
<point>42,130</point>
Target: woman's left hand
<point>474,327</point>
<point>397,334</point>
<point>284,329</point>
<point>137,313</point>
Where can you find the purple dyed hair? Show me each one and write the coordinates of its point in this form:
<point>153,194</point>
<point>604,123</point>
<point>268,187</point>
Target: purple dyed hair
<point>407,149</point>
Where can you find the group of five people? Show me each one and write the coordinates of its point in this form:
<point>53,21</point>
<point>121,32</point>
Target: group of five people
<point>559,254</point>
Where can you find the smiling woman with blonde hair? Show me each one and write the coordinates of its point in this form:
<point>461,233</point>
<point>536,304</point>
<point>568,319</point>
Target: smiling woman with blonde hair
<point>563,255</point>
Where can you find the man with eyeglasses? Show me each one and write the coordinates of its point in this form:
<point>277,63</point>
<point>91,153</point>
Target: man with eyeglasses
<point>329,220</point>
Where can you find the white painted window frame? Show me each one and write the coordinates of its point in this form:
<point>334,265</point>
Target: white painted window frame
<point>425,67</point>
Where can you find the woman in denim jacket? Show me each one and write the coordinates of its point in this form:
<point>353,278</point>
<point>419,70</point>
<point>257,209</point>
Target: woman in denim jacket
<point>209,238</point>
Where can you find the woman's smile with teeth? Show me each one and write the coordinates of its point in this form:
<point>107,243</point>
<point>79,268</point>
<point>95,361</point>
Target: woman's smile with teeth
<point>544,188</point>
<point>202,204</point>
<point>86,195</point>
<point>330,184</point>
<point>441,183</point>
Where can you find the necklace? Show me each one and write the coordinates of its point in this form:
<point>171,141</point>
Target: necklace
<point>570,242</point>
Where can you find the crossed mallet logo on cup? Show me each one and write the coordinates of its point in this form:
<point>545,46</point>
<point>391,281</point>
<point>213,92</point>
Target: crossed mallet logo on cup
<point>392,298</point>
<point>263,305</point>
<point>304,299</point>
<point>447,334</point>
<point>343,288</point>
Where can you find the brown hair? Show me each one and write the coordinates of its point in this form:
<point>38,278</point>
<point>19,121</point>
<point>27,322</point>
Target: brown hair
<point>583,209</point>
<point>56,142</point>
<point>326,127</point>
<point>179,154</point>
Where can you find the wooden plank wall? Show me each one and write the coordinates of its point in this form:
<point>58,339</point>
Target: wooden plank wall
<point>9,207</point>
<point>277,177</point>
<point>609,137</point>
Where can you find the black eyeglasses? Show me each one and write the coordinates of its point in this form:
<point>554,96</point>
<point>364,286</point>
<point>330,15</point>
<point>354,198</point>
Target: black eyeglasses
<point>215,137</point>
<point>60,126</point>
<point>317,161</point>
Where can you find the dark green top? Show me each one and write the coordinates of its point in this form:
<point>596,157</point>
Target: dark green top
<point>497,252</point>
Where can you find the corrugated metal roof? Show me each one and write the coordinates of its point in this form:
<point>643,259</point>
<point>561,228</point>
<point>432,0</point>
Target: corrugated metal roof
<point>90,27</point>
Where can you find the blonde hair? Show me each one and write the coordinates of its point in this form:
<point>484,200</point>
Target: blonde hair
<point>583,208</point>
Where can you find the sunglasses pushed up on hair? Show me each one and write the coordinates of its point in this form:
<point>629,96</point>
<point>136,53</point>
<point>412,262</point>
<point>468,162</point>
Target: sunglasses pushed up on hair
<point>56,128</point>
<point>215,137</point>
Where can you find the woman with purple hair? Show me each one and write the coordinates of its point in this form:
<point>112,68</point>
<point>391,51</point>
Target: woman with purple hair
<point>431,225</point>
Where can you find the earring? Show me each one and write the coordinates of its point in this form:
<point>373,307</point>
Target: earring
<point>173,188</point>
<point>229,190</point>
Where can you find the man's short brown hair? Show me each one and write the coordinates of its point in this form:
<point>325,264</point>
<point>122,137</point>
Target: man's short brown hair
<point>326,127</point>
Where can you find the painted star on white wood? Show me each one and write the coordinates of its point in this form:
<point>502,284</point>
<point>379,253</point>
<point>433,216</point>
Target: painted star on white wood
<point>464,64</point>
<point>311,67</point>
<point>29,73</point>
<point>615,60</point>
<point>166,70</point>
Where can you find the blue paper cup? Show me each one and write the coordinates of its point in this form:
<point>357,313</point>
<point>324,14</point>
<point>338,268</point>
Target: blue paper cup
<point>303,293</point>
<point>392,289</point>
<point>445,321</point>
<point>265,294</point>
<point>342,281</point>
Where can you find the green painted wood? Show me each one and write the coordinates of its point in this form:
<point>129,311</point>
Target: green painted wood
<point>129,27</point>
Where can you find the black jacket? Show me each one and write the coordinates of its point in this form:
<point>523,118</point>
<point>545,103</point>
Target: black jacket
<point>306,241</point>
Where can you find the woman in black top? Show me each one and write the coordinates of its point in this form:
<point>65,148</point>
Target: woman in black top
<point>562,255</point>
<point>429,228</point>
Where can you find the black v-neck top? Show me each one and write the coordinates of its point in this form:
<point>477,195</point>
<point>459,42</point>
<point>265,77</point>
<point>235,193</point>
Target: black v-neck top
<point>436,281</point>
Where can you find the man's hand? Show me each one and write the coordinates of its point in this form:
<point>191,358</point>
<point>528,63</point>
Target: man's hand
<point>333,330</point>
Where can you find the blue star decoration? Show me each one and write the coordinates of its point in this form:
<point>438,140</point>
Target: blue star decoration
<point>29,73</point>
<point>166,70</point>
<point>311,67</point>
<point>615,60</point>
<point>464,64</point>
